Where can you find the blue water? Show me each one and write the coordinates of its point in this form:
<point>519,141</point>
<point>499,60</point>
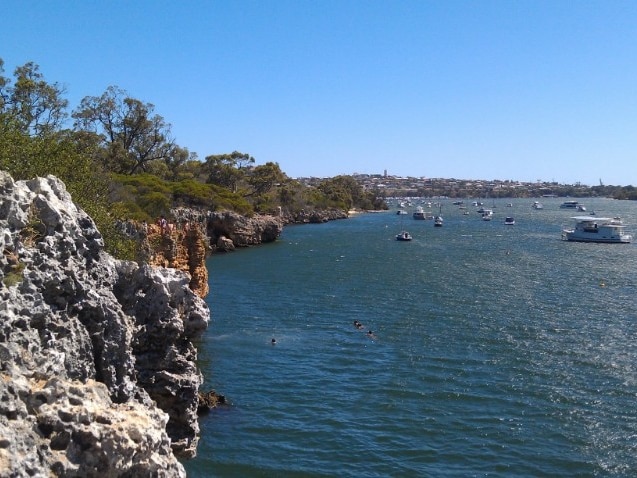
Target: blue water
<point>498,350</point>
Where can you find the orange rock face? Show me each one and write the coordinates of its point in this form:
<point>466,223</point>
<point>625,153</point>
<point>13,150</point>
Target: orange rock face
<point>178,248</point>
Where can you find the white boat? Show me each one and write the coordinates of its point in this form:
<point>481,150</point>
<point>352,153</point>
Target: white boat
<point>596,229</point>
<point>438,219</point>
<point>569,205</point>
<point>420,214</point>
<point>580,207</point>
<point>487,214</point>
<point>403,236</point>
<point>509,221</point>
<point>537,205</point>
<point>400,212</point>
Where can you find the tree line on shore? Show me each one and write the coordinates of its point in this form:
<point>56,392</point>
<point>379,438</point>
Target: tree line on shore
<point>119,160</point>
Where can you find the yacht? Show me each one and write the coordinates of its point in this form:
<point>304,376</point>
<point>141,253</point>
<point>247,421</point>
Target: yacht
<point>537,205</point>
<point>597,229</point>
<point>569,205</point>
<point>509,221</point>
<point>487,214</point>
<point>420,214</point>
<point>438,219</point>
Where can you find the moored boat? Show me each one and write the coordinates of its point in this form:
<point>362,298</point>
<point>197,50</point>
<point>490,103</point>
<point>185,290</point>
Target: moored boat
<point>597,229</point>
<point>403,236</point>
<point>438,219</point>
<point>509,221</point>
<point>420,214</point>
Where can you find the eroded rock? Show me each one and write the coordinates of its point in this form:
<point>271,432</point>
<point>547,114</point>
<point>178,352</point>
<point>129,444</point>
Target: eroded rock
<point>98,371</point>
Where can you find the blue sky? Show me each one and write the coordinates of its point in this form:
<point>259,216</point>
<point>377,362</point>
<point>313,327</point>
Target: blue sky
<point>520,90</point>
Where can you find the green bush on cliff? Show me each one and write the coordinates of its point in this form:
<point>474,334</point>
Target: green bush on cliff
<point>150,196</point>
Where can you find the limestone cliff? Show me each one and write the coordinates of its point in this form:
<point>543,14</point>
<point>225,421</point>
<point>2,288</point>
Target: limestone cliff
<point>180,246</point>
<point>97,366</point>
<point>223,231</point>
<point>315,216</point>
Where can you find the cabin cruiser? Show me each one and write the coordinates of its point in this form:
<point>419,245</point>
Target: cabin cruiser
<point>569,205</point>
<point>537,205</point>
<point>420,214</point>
<point>509,221</point>
<point>596,229</point>
<point>487,214</point>
<point>438,221</point>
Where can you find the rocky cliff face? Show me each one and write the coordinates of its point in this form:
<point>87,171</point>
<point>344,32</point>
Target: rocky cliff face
<point>180,246</point>
<point>315,216</point>
<point>97,366</point>
<point>227,230</point>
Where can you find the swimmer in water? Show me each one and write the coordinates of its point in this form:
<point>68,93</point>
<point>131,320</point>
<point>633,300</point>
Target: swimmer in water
<point>273,341</point>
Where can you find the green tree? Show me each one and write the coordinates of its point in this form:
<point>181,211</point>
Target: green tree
<point>131,135</point>
<point>227,170</point>
<point>263,178</point>
<point>33,105</point>
<point>4,83</point>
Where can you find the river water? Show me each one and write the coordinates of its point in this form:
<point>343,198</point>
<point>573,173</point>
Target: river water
<point>497,350</point>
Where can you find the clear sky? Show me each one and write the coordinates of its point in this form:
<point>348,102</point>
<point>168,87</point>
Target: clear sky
<point>520,90</point>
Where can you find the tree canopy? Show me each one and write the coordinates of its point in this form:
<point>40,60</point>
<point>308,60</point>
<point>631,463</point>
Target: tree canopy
<point>34,106</point>
<point>131,135</point>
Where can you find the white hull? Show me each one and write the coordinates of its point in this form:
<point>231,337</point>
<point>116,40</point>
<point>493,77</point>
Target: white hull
<point>574,236</point>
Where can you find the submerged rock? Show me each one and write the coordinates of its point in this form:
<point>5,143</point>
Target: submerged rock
<point>98,371</point>
<point>209,400</point>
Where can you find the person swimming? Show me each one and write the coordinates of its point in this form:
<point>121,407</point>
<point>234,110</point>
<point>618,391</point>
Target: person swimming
<point>273,342</point>
<point>358,325</point>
